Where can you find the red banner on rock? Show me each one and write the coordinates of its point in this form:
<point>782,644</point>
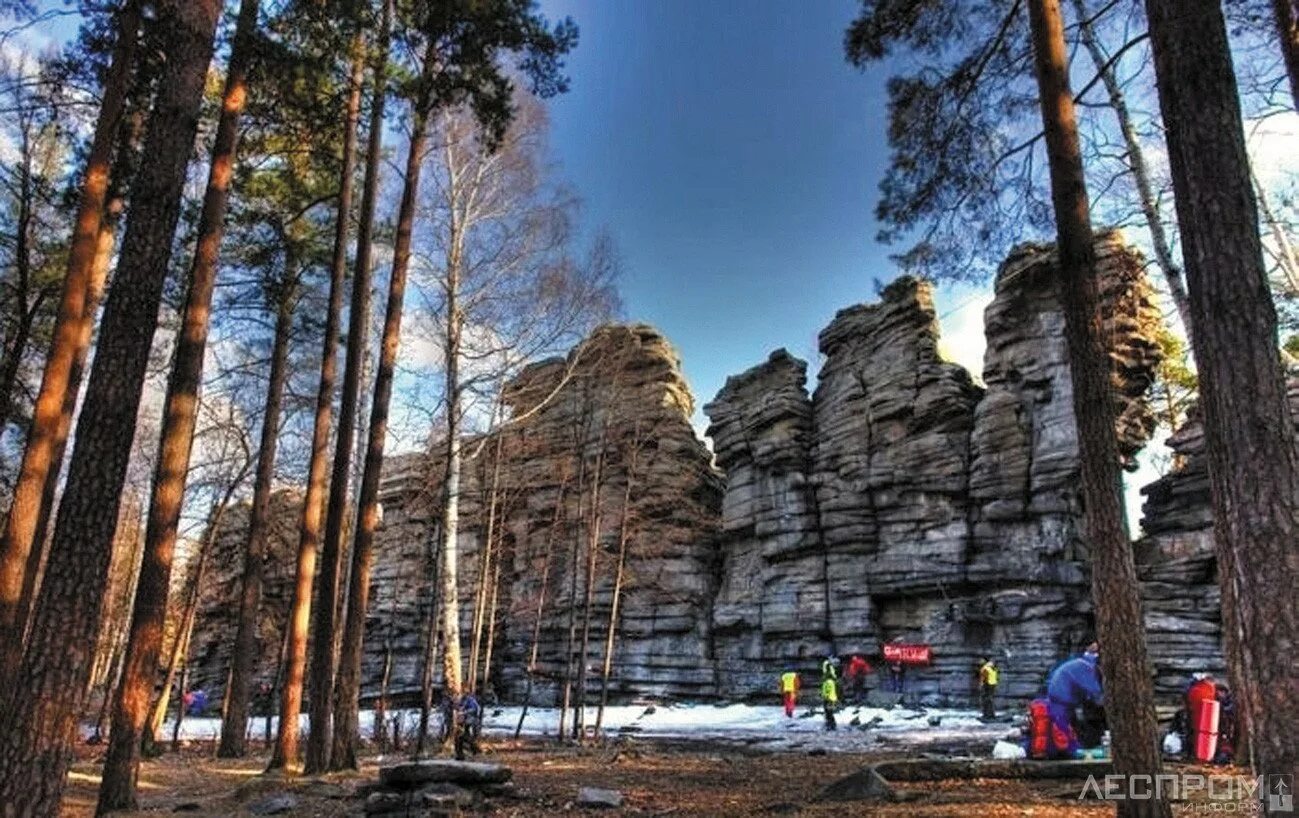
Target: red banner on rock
<point>907,654</point>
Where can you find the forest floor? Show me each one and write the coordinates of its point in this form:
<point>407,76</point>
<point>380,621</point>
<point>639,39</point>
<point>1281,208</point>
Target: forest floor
<point>656,778</point>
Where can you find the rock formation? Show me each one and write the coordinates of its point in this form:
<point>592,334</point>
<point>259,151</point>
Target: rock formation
<point>899,500</point>
<point>615,411</point>
<point>903,501</point>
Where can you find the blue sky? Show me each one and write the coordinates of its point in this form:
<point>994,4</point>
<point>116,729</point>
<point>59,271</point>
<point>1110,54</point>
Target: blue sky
<point>734,155</point>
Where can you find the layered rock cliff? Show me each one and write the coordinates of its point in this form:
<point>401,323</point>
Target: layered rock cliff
<point>903,501</point>
<point>599,465</point>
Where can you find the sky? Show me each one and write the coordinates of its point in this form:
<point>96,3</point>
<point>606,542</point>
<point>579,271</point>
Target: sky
<point>734,155</point>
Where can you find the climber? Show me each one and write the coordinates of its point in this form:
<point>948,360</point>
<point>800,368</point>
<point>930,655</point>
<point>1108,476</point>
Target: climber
<point>988,687</point>
<point>789,683</point>
<point>1071,684</point>
<point>856,673</point>
<point>829,695</point>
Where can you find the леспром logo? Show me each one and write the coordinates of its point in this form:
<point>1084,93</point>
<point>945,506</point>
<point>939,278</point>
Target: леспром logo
<point>1280,793</point>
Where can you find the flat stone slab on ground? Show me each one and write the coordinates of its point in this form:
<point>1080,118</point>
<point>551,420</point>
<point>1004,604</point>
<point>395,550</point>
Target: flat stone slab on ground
<point>414,773</point>
<point>596,797</point>
<point>275,805</point>
<point>938,769</point>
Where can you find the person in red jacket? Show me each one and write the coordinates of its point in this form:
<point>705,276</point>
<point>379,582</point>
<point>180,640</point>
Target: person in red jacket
<point>858,668</point>
<point>1202,689</point>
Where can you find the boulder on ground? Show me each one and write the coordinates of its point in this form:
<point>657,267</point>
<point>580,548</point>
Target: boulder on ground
<point>444,793</point>
<point>275,805</point>
<point>414,773</point>
<point>863,785</point>
<point>381,803</point>
<point>596,797</point>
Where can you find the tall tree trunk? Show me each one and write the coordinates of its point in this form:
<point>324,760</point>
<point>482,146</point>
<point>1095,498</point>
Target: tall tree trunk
<point>1135,157</point>
<point>1116,596</point>
<point>541,604</point>
<point>452,670</point>
<point>1287,29</point>
<point>314,501</point>
<point>346,724</point>
<point>245,654</point>
<point>36,557</point>
<point>1253,455</point>
<point>72,324</point>
<point>131,708</point>
<point>40,723</point>
<point>324,624</point>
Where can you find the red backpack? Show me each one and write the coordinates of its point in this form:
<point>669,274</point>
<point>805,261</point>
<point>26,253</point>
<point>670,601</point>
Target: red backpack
<point>1039,729</point>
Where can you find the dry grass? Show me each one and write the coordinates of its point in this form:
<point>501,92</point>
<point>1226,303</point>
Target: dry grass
<point>655,779</point>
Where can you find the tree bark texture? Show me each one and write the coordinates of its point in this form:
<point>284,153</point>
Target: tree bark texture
<point>324,625</point>
<point>71,325</point>
<point>1129,696</point>
<point>180,414</point>
<point>1253,456</point>
<point>40,724</point>
<point>243,668</point>
<point>346,726</point>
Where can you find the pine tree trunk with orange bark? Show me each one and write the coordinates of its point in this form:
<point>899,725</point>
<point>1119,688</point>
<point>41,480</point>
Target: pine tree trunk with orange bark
<point>39,721</point>
<point>131,708</point>
<point>1129,695</point>
<point>44,448</point>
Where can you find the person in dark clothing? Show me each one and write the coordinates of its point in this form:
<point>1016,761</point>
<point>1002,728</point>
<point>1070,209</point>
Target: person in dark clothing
<point>469,726</point>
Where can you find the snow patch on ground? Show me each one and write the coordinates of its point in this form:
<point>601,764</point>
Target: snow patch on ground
<point>764,727</point>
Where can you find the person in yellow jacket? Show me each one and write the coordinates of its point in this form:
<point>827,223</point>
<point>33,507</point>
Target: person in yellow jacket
<point>988,687</point>
<point>789,691</point>
<point>829,699</point>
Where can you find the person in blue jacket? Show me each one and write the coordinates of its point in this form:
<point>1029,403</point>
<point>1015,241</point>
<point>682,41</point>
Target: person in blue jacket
<point>1071,684</point>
